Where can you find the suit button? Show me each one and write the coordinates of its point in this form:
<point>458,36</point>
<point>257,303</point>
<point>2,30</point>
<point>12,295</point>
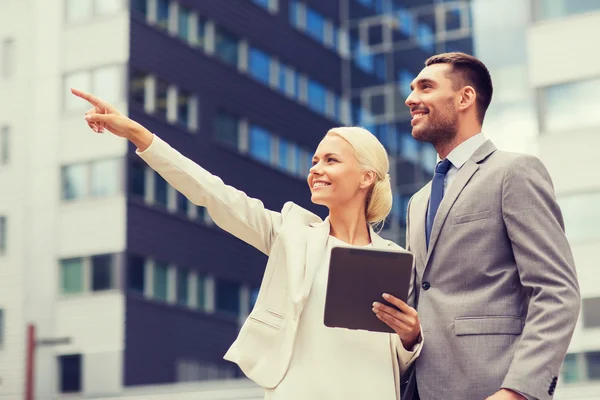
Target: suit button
<point>426,285</point>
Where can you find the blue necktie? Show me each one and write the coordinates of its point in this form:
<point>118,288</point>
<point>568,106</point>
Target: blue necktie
<point>437,193</point>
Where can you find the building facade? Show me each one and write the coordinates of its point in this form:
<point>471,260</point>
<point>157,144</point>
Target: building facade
<point>566,77</point>
<point>131,288</point>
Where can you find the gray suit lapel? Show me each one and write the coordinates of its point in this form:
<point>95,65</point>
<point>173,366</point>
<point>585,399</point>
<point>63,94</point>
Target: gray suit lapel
<point>462,178</point>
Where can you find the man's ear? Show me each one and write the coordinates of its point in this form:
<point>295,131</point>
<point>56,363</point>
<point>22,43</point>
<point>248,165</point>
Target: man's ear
<point>467,98</point>
<point>368,179</point>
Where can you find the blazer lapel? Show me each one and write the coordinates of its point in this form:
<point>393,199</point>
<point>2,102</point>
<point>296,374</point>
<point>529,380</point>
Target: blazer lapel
<point>462,178</point>
<point>316,245</point>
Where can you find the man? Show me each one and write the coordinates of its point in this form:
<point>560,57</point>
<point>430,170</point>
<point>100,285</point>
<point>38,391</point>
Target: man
<point>495,282</point>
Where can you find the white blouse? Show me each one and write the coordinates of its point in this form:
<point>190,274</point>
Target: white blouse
<point>341,363</point>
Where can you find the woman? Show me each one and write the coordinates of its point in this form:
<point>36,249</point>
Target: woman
<point>284,345</point>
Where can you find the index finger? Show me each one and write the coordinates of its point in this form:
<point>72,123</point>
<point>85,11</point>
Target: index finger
<point>402,306</point>
<point>89,97</point>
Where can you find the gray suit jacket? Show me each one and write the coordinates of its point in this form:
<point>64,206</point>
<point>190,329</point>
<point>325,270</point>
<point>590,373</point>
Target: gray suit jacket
<point>498,296</point>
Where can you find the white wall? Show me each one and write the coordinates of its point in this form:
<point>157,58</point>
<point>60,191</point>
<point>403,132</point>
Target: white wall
<point>563,50</point>
<point>95,324</point>
<point>14,102</point>
<point>41,228</point>
<point>560,51</point>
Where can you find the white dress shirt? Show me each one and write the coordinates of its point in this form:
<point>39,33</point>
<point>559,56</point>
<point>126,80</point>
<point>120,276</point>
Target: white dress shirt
<point>460,155</point>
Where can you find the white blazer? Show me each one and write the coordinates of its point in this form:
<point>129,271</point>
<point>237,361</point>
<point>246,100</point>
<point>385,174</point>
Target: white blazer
<point>294,239</point>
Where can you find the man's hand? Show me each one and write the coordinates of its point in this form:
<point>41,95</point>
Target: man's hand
<point>404,322</point>
<point>506,394</point>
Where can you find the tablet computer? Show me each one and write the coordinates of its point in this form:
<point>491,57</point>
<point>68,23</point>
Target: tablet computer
<point>357,278</point>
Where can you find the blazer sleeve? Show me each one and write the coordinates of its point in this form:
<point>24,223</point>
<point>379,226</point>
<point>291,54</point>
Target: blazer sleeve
<point>231,209</point>
<point>535,227</point>
<point>407,357</point>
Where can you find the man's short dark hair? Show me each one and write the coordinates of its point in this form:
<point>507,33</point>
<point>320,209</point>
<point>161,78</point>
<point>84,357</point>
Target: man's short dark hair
<point>468,71</point>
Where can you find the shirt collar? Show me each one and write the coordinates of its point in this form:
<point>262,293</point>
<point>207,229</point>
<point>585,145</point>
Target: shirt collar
<point>461,153</point>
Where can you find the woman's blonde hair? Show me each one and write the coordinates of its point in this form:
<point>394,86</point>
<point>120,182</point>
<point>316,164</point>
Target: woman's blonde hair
<point>371,155</point>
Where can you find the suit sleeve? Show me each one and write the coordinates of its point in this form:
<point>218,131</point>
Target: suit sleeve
<point>231,209</point>
<point>546,268</point>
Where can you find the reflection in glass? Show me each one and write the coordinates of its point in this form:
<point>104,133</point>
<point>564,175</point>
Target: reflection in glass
<point>226,47</point>
<point>162,13</point>
<point>75,181</point>
<point>582,216</point>
<point>227,128</point>
<point>572,105</point>
<point>260,144</point>
<point>105,177</point>
<point>71,271</point>
<point>315,24</point>
<point>161,277</point>
<point>227,299</point>
<point>102,272</point>
<point>160,190</point>
<point>259,64</point>
<point>183,23</point>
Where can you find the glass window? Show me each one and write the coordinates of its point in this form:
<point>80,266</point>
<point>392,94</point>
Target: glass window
<point>137,179</point>
<point>260,144</point>
<point>182,286</point>
<point>253,297</point>
<point>591,312</point>
<point>1,327</point>
<point>425,37</point>
<point>75,181</point>
<point>140,6</point>
<point>263,3</point>
<point>227,128</point>
<point>294,13</point>
<point>582,216</point>
<point>593,365</point>
<point>547,9</point>
<point>316,96</point>
<point>137,87</point>
<point>107,7</point>
<point>201,291</point>
<point>160,190</point>
<point>283,159</point>
<point>79,80</point>
<point>2,234</point>
<point>102,272</point>
<point>227,296</point>
<point>106,177</point>
<point>161,281</point>
<point>315,24</point>
<point>183,23</point>
<point>70,373</point>
<point>409,148</point>
<point>572,105</point>
<point>8,57</point>
<point>136,274</point>
<point>162,88</point>
<point>406,22</point>
<point>362,58</point>
<point>380,66</point>
<point>71,273</point>
<point>405,78</point>
<point>183,204</point>
<point>282,81</point>
<point>569,371</point>
<point>299,167</point>
<point>162,13</point>
<point>4,144</point>
<point>107,83</point>
<point>392,140</point>
<point>79,10</point>
<point>184,99</point>
<point>199,40</point>
<point>259,65</point>
<point>226,47</point>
